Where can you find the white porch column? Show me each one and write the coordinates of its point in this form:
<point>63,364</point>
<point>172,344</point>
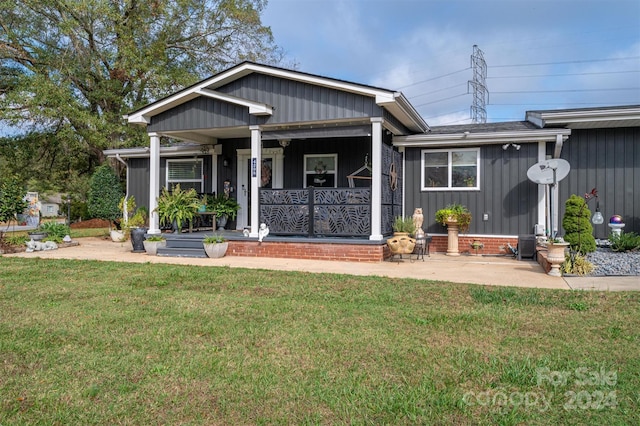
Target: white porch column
<point>154,182</point>
<point>256,172</point>
<point>376,181</point>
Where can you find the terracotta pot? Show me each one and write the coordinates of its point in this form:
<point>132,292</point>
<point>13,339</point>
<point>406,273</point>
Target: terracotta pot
<point>556,256</point>
<point>401,243</point>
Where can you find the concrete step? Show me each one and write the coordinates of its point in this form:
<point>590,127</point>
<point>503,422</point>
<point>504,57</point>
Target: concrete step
<point>182,252</point>
<point>184,243</point>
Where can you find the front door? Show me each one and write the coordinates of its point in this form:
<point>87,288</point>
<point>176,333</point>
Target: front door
<point>272,177</point>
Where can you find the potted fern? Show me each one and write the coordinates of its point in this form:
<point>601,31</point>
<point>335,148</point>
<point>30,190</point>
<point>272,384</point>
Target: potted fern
<point>178,206</point>
<point>224,208</point>
<point>215,246</point>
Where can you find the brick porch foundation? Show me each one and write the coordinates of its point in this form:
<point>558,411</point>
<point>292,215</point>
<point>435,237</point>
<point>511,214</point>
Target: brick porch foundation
<point>371,252</point>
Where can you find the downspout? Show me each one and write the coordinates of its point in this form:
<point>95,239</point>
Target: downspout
<point>555,190</point>
<point>125,213</point>
<point>558,148</point>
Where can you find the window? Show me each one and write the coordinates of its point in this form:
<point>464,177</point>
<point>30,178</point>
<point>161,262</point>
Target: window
<point>320,170</point>
<point>187,173</point>
<point>450,169</point>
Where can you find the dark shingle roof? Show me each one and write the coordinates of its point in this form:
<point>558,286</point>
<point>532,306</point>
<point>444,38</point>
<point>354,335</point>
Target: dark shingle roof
<point>507,126</point>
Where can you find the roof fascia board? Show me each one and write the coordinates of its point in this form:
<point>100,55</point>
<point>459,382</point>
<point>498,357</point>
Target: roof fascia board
<point>398,104</point>
<point>542,118</point>
<point>481,138</point>
<point>165,151</point>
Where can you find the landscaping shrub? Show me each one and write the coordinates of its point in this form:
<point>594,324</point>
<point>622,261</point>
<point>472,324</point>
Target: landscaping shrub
<point>577,225</point>
<point>104,194</point>
<point>56,231</point>
<point>626,241</point>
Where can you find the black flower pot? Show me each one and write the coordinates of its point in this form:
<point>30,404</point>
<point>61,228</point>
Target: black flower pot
<point>137,239</point>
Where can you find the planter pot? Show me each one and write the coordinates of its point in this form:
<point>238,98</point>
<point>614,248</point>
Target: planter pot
<point>117,235</point>
<point>401,243</point>
<point>216,250</point>
<point>452,237</point>
<point>151,247</point>
<point>38,236</point>
<point>556,256</point>
<point>221,222</point>
<point>137,239</point>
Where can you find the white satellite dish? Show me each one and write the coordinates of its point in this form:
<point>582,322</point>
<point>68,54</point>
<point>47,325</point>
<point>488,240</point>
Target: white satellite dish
<point>549,172</point>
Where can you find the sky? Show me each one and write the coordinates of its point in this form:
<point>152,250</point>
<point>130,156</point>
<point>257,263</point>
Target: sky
<point>540,55</point>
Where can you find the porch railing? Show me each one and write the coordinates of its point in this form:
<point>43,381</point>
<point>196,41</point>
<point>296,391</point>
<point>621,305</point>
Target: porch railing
<point>317,212</point>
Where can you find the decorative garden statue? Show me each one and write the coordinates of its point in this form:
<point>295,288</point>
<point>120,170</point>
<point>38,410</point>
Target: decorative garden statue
<point>418,218</point>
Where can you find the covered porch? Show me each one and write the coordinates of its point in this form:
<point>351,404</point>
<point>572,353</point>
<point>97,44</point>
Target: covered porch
<point>309,156</point>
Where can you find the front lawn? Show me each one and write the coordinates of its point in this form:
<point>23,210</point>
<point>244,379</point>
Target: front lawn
<point>84,342</point>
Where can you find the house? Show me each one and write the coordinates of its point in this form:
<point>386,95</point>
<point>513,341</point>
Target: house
<point>326,162</point>
<point>601,145</point>
<point>51,205</point>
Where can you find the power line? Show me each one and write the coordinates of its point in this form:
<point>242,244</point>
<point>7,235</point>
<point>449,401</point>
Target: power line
<point>565,74</point>
<point>550,104</point>
<point>565,91</point>
<point>446,113</point>
<point>433,78</point>
<point>441,100</point>
<point>565,62</point>
<point>439,90</point>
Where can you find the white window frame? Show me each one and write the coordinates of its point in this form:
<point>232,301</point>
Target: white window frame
<point>449,186</point>
<point>333,171</point>
<point>170,182</point>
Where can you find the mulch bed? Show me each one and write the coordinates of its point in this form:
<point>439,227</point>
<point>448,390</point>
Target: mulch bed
<point>91,223</point>
<point>19,249</point>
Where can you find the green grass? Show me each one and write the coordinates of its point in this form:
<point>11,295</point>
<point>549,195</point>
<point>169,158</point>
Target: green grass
<point>84,342</point>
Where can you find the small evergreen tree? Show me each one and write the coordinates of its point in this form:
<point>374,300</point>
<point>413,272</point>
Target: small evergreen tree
<point>104,194</point>
<point>12,200</point>
<point>577,225</point>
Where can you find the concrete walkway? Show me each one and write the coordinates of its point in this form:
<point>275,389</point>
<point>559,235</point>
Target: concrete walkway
<point>499,271</point>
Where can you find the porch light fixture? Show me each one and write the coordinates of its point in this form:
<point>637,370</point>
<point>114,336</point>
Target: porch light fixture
<point>515,145</point>
<point>284,142</point>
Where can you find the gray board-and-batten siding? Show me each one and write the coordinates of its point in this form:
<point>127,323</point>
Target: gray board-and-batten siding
<point>292,101</point>
<point>505,193</point>
<point>607,159</point>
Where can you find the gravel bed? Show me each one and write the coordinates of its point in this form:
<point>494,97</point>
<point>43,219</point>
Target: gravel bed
<point>609,262</point>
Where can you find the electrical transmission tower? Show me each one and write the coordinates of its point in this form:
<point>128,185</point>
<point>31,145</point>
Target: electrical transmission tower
<point>480,92</point>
